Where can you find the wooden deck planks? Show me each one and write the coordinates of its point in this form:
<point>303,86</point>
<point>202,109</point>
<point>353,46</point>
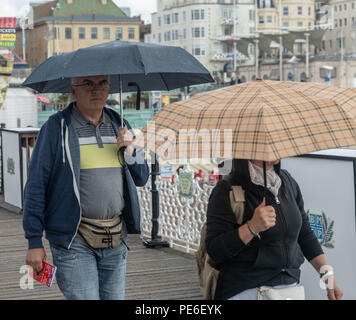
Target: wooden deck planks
<point>152,274</point>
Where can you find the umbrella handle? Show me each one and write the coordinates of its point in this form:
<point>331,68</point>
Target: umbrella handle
<point>121,106</point>
<point>265,181</point>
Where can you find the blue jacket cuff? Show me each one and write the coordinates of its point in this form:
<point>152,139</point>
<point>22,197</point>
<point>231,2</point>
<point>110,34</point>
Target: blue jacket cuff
<point>34,243</point>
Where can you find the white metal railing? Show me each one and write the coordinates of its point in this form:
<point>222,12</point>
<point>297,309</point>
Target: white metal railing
<point>181,218</point>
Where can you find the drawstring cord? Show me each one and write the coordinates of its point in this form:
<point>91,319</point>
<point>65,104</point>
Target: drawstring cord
<point>62,134</point>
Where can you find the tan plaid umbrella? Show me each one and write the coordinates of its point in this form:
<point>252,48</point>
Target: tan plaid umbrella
<point>266,120</point>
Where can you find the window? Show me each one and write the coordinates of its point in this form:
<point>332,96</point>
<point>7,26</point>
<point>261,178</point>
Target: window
<point>345,6</point>
<point>81,33</point>
<point>345,22</point>
<point>285,24</point>
<point>198,14</point>
<point>330,44</point>
<point>198,50</point>
<point>227,13</point>
<point>228,30</point>
<point>261,19</point>
<point>55,33</point>
<point>94,33</point>
<point>68,33</point>
<point>300,24</point>
<point>338,41</point>
<point>159,21</point>
<point>340,23</point>
<point>106,34</point>
<point>118,33</point>
<point>167,19</point>
<point>300,48</point>
<point>269,19</point>
<point>184,16</point>
<point>174,18</point>
<point>184,34</point>
<point>167,36</point>
<point>353,5</point>
<point>285,11</point>
<point>159,38</point>
<point>131,33</point>
<point>300,11</point>
<point>251,15</point>
<point>309,11</point>
<point>198,32</point>
<point>175,35</point>
<point>335,23</point>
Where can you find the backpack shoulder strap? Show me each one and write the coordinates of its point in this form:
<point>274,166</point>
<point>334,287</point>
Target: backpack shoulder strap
<point>237,202</point>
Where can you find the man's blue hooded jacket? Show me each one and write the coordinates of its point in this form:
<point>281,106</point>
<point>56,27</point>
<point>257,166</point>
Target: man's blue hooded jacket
<point>51,195</point>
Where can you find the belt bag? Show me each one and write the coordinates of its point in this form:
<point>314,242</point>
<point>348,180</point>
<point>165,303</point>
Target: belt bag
<point>100,233</point>
<point>290,293</point>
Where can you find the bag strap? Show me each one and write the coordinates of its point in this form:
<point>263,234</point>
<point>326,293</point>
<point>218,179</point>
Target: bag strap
<point>237,202</point>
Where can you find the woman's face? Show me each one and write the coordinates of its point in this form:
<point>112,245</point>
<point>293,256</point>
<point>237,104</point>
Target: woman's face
<point>268,163</point>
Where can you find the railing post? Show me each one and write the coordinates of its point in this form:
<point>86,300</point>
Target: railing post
<point>155,240</point>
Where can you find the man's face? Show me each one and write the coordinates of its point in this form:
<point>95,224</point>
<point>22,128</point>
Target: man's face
<point>91,92</point>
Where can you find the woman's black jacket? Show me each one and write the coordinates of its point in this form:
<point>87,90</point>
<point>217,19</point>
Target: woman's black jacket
<point>281,248</point>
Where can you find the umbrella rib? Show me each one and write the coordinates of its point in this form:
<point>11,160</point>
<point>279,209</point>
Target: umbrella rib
<point>164,81</point>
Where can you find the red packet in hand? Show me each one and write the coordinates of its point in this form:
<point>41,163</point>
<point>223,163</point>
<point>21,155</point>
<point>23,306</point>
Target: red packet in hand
<point>46,276</point>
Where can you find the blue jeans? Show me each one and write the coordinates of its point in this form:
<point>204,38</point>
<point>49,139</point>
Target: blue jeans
<point>84,273</point>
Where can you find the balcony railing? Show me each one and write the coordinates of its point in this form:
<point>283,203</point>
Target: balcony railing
<point>181,218</point>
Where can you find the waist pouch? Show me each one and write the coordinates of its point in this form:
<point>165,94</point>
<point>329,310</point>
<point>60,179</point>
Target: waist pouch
<point>290,293</point>
<point>99,233</point>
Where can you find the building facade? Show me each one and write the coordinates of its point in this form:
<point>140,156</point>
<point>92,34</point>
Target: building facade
<point>205,28</point>
<point>222,34</point>
<point>66,25</point>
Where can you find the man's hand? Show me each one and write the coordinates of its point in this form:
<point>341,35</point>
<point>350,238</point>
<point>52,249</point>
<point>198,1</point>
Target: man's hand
<point>35,257</point>
<point>264,217</point>
<point>125,139</point>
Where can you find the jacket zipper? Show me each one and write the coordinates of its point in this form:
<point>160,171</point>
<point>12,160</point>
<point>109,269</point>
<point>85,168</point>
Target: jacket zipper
<point>285,234</point>
<point>75,186</point>
<point>276,199</point>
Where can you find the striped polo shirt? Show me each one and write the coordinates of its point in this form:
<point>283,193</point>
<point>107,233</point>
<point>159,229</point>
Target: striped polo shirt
<point>101,184</point>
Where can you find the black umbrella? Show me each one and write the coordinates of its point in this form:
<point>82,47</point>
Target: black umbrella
<point>130,65</point>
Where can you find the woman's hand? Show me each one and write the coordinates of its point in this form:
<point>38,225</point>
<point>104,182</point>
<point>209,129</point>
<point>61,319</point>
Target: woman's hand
<point>264,217</point>
<point>333,290</point>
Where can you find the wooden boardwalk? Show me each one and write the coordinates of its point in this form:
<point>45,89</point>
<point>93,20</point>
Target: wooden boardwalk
<point>152,274</point>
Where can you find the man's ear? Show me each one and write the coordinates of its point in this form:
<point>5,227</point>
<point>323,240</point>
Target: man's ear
<point>72,91</point>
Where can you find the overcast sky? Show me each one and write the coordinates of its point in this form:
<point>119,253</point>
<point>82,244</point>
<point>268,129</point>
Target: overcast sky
<point>17,8</point>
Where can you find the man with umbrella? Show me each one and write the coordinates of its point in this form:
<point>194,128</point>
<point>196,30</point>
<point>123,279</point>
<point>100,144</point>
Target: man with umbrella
<point>75,174</point>
<point>82,192</point>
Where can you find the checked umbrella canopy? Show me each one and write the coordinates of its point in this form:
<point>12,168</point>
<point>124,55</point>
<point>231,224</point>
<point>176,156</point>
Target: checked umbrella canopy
<point>268,120</point>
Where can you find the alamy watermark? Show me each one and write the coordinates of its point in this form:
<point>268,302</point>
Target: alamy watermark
<point>199,146</point>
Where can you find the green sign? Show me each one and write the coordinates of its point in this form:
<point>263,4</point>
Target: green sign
<point>8,44</point>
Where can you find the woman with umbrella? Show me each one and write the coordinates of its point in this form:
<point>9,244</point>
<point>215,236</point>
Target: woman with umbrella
<point>268,248</point>
<point>267,121</point>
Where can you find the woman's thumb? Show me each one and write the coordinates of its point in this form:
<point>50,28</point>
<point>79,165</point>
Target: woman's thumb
<point>263,203</point>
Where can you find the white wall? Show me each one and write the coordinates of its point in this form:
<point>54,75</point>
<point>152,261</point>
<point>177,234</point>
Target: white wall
<point>19,103</point>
